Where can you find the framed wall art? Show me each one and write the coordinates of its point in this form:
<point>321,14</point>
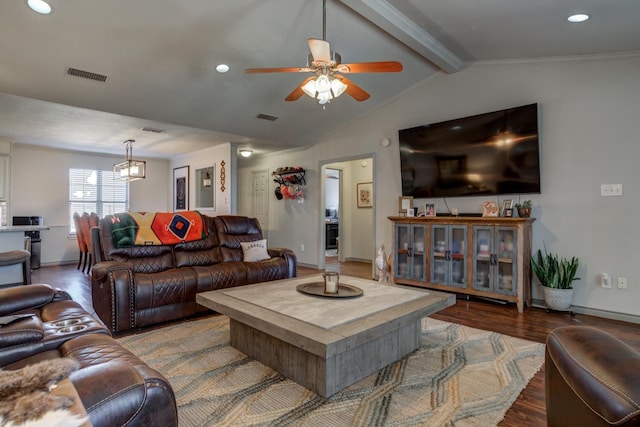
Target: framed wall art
<point>364,190</point>
<point>181,188</point>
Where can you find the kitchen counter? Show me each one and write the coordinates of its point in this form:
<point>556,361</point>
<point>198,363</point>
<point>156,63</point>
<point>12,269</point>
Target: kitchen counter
<point>22,228</point>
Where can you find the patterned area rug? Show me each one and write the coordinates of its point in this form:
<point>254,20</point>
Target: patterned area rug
<point>460,376</point>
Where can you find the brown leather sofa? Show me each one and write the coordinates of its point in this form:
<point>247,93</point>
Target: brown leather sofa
<point>139,286</point>
<point>591,379</point>
<point>115,387</point>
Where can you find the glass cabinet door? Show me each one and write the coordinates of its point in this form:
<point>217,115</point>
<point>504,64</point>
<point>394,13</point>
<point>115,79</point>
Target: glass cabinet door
<point>457,255</point>
<point>482,254</point>
<point>506,260</point>
<point>401,251</point>
<point>439,264</point>
<point>417,254</point>
<point>409,253</point>
<point>448,255</point>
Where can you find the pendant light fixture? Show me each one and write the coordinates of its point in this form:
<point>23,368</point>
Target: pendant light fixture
<point>206,180</point>
<point>130,169</point>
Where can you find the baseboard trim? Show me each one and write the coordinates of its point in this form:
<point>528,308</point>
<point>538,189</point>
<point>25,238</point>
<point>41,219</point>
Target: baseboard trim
<point>607,314</point>
<point>358,260</point>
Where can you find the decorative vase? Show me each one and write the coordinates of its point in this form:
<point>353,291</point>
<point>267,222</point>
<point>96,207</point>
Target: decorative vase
<point>558,299</point>
<point>524,212</point>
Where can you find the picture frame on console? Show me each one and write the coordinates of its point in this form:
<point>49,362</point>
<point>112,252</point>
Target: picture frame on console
<point>490,209</point>
<point>404,203</point>
<point>430,209</point>
<point>181,189</point>
<point>507,204</point>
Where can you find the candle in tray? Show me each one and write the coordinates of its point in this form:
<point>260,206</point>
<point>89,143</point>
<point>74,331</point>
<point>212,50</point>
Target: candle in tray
<point>331,282</point>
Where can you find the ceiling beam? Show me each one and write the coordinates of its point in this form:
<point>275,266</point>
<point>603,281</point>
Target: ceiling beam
<point>397,24</point>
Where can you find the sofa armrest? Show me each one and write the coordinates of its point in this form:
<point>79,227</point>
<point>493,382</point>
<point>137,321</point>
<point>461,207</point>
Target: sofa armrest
<point>20,298</point>
<point>290,258</point>
<point>112,291</point>
<point>22,331</point>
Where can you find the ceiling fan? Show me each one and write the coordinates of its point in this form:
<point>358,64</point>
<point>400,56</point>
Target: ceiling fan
<point>328,81</point>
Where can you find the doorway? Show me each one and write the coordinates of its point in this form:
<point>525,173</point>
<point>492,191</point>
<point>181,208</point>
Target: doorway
<point>351,224</point>
<point>332,194</point>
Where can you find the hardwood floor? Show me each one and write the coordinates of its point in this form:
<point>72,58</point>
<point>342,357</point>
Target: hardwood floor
<point>534,324</point>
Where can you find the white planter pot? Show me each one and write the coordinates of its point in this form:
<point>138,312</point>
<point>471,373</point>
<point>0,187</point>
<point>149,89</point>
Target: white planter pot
<point>558,299</point>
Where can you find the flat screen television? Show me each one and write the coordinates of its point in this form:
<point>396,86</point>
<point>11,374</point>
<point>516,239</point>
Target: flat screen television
<point>491,153</point>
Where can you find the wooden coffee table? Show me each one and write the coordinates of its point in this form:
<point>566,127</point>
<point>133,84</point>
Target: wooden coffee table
<point>324,343</point>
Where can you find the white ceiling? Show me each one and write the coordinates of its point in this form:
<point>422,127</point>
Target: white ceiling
<point>159,57</point>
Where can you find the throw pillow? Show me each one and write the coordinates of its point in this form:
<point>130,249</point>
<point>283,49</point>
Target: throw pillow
<point>255,251</point>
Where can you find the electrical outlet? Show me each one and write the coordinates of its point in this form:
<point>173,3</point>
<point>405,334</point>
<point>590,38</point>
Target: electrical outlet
<point>622,283</point>
<point>302,248</point>
<point>611,190</point>
<point>605,280</point>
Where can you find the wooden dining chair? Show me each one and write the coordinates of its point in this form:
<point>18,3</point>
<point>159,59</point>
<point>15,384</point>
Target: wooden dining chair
<point>83,251</point>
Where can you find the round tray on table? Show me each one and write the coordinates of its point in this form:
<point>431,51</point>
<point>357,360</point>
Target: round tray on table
<point>317,289</point>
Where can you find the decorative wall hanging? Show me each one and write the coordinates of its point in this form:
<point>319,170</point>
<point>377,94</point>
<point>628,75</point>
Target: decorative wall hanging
<point>290,181</point>
<point>181,188</point>
<point>222,176</point>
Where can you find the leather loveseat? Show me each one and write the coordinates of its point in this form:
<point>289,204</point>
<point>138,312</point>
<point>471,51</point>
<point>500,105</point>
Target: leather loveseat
<point>115,387</point>
<point>591,379</point>
<point>142,285</point>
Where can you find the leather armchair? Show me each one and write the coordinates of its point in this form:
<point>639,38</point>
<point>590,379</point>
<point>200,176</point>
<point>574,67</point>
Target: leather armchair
<point>591,379</point>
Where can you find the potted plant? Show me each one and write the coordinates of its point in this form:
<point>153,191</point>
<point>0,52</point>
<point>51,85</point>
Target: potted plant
<point>524,209</point>
<point>556,275</point>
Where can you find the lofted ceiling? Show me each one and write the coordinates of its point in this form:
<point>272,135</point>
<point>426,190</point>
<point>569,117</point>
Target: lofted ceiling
<point>159,57</point>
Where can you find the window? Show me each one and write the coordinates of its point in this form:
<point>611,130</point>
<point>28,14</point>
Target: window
<point>96,191</point>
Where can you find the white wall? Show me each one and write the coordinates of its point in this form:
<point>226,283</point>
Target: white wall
<point>203,159</point>
<point>589,108</point>
<point>40,186</point>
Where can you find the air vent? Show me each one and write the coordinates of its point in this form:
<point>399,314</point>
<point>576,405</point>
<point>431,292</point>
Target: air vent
<point>86,75</point>
<point>154,130</point>
<point>267,117</point>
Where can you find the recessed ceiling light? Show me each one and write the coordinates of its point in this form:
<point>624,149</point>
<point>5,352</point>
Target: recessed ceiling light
<point>579,17</point>
<point>39,6</point>
<point>222,68</point>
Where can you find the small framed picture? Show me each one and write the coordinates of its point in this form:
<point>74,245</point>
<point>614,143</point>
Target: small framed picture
<point>410,212</point>
<point>364,190</point>
<point>430,209</point>
<point>404,203</point>
<point>507,204</point>
<point>508,213</point>
<point>490,209</point>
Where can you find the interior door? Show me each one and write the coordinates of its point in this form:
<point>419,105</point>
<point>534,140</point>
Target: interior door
<point>260,210</point>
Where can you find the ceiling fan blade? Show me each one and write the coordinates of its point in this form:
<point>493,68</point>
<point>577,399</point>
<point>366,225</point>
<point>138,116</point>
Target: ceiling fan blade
<point>371,67</point>
<point>298,92</point>
<point>278,70</point>
<point>320,50</point>
<point>354,90</point>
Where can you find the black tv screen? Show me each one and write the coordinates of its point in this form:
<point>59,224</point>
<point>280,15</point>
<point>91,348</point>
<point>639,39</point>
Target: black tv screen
<point>491,153</point>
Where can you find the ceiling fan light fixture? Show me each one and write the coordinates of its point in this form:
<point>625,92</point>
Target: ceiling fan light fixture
<point>323,85</point>
<point>310,88</point>
<point>337,87</point>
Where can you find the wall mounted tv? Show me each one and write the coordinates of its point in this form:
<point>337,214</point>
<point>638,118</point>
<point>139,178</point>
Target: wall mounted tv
<point>491,153</point>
